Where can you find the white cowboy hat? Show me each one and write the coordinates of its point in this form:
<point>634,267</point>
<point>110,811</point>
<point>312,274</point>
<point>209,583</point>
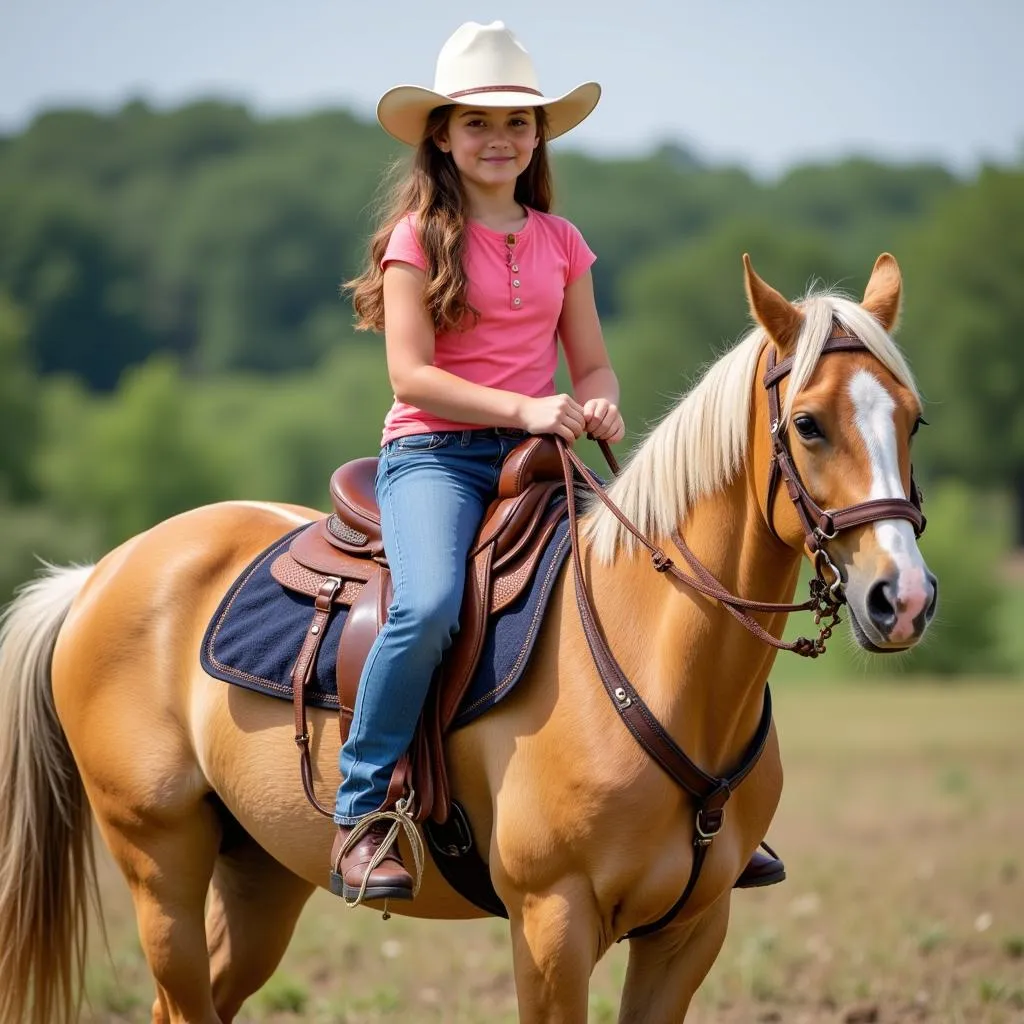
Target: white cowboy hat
<point>486,66</point>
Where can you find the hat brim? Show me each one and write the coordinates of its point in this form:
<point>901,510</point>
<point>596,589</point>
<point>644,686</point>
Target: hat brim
<point>403,110</point>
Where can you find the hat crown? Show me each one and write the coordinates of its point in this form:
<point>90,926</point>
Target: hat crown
<point>479,56</point>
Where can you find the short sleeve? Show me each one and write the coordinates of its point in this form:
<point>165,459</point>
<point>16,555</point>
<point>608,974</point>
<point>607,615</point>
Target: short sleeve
<point>581,256</point>
<point>404,246</point>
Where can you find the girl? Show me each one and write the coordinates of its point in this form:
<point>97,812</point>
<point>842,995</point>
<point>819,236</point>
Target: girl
<point>472,281</point>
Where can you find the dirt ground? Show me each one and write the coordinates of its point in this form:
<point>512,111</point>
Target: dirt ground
<point>902,827</point>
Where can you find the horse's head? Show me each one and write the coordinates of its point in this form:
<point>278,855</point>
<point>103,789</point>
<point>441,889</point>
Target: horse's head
<point>837,458</point>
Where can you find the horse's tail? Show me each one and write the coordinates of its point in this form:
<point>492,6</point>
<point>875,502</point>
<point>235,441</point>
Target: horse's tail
<point>47,868</point>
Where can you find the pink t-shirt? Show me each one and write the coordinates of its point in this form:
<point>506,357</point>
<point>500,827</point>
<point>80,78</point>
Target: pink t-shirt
<point>517,282</point>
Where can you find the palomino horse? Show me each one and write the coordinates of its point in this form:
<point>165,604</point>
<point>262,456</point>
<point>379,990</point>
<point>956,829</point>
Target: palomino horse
<point>104,708</point>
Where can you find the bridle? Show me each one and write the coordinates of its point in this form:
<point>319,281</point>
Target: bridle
<point>821,526</point>
<point>711,793</point>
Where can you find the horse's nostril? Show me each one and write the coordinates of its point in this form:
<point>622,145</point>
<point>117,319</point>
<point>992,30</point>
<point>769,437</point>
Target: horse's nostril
<point>881,607</point>
<point>930,611</point>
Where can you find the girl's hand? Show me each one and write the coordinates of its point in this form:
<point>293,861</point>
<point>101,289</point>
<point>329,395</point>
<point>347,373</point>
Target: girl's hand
<point>553,414</point>
<point>602,420</point>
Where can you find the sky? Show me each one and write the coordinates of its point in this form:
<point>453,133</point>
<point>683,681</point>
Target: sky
<point>765,85</point>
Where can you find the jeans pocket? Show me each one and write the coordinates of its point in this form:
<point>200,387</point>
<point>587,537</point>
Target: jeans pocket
<point>418,443</point>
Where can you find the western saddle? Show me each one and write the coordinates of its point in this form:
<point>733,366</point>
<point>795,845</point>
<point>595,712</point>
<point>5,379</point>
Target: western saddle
<point>339,561</point>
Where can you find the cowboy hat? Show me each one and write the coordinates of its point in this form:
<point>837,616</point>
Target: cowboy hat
<point>486,66</point>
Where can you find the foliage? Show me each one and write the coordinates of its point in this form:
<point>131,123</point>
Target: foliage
<point>171,329</point>
<point>683,308</point>
<point>965,314</point>
<point>131,460</point>
<point>19,396</point>
<point>34,534</point>
<point>58,262</point>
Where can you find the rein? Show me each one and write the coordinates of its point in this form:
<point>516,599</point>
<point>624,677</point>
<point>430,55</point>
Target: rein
<point>711,794</point>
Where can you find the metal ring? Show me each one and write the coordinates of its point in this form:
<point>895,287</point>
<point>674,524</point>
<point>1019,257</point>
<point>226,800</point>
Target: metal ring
<point>710,835</point>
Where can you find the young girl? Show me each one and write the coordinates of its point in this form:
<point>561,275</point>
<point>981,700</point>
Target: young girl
<point>472,281</point>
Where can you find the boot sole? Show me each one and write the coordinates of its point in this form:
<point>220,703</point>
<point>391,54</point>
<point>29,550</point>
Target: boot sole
<point>341,888</point>
<point>758,883</point>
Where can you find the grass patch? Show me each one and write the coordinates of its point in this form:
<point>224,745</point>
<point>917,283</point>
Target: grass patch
<point>887,877</point>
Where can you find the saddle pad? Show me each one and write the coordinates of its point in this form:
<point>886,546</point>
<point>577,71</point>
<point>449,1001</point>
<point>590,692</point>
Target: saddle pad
<point>255,634</point>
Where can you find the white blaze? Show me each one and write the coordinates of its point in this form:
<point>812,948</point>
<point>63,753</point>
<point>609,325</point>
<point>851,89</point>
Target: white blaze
<point>874,408</point>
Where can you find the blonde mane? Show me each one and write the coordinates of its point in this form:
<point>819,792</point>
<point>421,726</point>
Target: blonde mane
<point>701,443</point>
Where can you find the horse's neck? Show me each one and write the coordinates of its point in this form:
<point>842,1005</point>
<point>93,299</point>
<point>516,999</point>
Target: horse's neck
<point>698,668</point>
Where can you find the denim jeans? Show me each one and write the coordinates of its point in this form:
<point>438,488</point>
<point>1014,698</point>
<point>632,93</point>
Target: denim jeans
<point>433,490</point>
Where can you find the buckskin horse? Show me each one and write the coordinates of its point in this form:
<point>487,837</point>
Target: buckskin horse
<point>617,792</point>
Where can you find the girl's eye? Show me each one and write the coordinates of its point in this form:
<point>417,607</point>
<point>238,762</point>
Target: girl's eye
<point>806,427</point>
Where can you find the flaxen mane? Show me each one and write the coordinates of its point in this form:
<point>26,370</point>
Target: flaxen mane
<point>701,443</point>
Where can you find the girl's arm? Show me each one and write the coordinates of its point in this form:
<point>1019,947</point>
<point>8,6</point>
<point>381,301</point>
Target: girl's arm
<point>409,341</point>
<point>593,379</point>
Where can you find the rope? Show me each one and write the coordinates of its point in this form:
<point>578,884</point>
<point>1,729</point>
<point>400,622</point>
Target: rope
<point>400,818</point>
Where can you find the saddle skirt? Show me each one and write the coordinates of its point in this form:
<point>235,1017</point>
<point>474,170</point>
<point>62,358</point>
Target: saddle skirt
<point>339,562</point>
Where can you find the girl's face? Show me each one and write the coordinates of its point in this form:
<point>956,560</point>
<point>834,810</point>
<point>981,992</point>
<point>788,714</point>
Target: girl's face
<point>491,147</point>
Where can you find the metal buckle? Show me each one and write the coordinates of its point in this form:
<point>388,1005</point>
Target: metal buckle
<point>822,536</point>
<point>704,838</point>
<point>620,696</point>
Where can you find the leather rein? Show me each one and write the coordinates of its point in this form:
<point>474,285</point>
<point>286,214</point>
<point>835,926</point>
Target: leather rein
<point>710,793</point>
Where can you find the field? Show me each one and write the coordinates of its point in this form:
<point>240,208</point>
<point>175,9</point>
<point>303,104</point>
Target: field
<point>902,827</point>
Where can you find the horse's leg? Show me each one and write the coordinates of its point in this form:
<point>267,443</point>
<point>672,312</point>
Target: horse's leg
<point>168,864</point>
<point>254,904</point>
<point>555,944</point>
<point>666,968</point>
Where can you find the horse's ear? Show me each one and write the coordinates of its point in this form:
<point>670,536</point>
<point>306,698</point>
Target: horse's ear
<point>882,295</point>
<point>778,316</point>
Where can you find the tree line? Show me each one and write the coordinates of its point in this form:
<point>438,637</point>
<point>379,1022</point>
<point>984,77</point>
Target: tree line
<point>172,329</point>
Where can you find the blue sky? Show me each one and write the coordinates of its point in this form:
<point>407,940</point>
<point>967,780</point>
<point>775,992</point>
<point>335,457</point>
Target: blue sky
<point>764,84</point>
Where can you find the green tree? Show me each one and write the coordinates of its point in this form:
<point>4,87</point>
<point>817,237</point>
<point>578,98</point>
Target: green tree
<point>632,210</point>
<point>58,262</point>
<point>256,253</point>
<point>127,461</point>
<point>964,317</point>
<point>682,309</point>
<point>19,406</point>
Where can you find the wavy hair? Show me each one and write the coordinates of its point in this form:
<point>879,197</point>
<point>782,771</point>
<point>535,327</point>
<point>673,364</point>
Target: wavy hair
<point>432,191</point>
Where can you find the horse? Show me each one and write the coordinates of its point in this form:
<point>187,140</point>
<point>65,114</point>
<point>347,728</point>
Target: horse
<point>107,717</point>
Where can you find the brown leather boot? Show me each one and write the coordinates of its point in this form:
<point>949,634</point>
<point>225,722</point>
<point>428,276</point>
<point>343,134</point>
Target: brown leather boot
<point>388,880</point>
<point>763,869</point>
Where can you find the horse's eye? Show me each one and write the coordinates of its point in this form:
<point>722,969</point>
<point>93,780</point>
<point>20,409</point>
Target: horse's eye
<point>806,427</point>
<point>918,424</point>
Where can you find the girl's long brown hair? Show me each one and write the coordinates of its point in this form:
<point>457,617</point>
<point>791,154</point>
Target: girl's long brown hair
<point>432,191</point>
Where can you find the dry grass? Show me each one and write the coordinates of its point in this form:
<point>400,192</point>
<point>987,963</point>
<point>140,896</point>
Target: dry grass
<point>902,826</point>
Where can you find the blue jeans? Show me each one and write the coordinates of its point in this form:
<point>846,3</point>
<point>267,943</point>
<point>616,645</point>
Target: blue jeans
<point>433,490</point>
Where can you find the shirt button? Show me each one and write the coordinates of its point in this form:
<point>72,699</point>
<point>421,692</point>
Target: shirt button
<point>510,239</point>
<point>516,301</point>
<point>515,269</point>
<point>515,283</point>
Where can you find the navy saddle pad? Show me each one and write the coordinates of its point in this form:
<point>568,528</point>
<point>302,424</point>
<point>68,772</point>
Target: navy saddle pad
<point>255,635</point>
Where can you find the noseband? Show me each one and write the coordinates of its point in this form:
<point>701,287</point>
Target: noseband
<point>818,524</point>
